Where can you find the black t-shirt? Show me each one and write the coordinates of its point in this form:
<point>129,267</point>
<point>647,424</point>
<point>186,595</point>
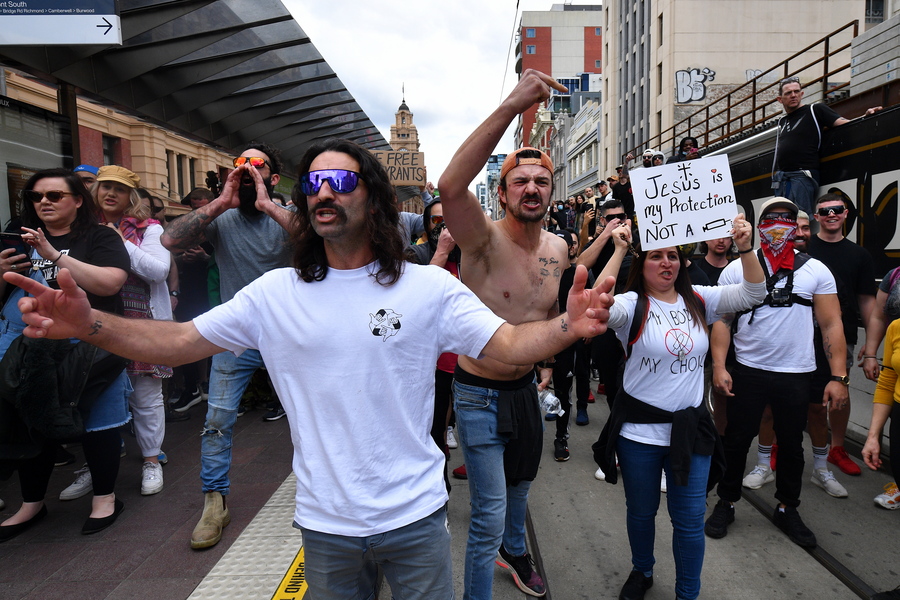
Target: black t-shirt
<point>799,139</point>
<point>697,275</point>
<point>99,246</point>
<point>603,258</point>
<point>853,266</point>
<point>712,272</point>
<point>565,284</point>
<point>622,193</point>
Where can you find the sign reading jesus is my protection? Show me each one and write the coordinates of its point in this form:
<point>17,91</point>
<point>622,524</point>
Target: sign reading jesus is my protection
<point>689,201</point>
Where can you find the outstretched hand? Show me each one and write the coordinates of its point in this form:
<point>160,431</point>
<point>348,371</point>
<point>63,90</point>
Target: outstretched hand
<point>56,314</point>
<point>587,310</point>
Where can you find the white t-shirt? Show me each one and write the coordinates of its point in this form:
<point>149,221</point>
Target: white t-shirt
<point>781,339</point>
<point>655,373</point>
<point>353,364</point>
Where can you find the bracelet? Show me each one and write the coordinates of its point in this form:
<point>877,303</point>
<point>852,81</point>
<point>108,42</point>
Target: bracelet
<point>57,258</point>
<point>749,250</point>
<point>875,357</point>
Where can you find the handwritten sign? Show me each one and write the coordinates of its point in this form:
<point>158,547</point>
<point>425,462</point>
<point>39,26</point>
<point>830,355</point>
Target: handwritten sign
<point>404,168</point>
<point>689,201</point>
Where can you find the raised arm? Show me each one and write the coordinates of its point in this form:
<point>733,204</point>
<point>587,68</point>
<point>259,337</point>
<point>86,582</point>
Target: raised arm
<point>65,313</point>
<point>621,237</point>
<point>462,211</point>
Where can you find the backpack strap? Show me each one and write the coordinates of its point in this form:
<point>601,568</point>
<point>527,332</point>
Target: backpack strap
<point>641,311</point>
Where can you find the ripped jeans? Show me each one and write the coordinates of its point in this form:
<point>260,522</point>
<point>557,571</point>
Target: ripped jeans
<point>228,379</point>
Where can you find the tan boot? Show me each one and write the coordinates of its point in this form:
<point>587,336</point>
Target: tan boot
<point>215,517</point>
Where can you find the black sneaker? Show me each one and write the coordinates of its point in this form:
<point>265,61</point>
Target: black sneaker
<point>274,414</point>
<point>789,521</point>
<point>188,399</point>
<point>636,586</point>
<point>174,417</point>
<point>560,450</point>
<point>523,573</point>
<point>717,524</point>
<point>242,410</point>
<point>63,457</point>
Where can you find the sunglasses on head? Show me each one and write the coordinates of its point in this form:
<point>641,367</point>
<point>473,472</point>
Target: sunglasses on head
<point>52,196</point>
<point>437,219</point>
<point>339,180</point>
<point>619,216</point>
<point>255,161</point>
<point>831,210</point>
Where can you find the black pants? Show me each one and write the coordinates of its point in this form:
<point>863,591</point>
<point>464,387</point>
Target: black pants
<point>895,442</point>
<point>788,395</point>
<point>608,355</point>
<point>101,450</point>
<point>573,362</point>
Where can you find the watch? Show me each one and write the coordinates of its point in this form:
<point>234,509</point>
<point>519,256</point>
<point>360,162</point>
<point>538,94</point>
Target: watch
<point>845,379</point>
<point>175,293</point>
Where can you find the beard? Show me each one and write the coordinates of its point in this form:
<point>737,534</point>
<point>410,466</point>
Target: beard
<point>519,212</point>
<point>247,196</point>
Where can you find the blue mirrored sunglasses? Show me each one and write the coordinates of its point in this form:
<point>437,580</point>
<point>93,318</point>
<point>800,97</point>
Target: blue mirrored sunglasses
<point>339,180</point>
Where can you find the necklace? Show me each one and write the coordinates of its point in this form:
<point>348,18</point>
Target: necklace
<point>681,352</point>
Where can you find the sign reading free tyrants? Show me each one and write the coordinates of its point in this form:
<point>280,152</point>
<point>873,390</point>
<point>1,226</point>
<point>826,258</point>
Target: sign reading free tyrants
<point>680,203</point>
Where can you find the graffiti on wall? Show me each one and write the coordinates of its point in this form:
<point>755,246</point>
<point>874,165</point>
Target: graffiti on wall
<point>690,84</point>
<point>767,78</point>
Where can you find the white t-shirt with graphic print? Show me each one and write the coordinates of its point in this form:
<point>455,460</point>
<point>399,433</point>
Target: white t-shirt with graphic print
<point>353,364</point>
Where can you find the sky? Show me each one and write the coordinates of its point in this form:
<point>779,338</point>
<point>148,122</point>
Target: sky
<point>451,57</point>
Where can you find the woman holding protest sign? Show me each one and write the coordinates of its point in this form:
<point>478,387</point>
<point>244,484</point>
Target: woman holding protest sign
<point>658,422</point>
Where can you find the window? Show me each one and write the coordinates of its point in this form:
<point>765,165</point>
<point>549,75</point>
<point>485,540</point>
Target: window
<point>529,32</point>
<point>598,64</point>
<point>109,150</point>
<point>530,49</point>
<point>598,31</point>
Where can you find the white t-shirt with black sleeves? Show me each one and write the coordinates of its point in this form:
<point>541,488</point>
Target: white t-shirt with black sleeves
<point>353,364</point>
<point>665,368</point>
<point>781,339</point>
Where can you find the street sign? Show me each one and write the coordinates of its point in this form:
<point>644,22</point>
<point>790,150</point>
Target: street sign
<point>59,22</point>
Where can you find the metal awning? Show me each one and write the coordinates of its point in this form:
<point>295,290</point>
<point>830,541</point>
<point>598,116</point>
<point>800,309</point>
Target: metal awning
<point>224,72</point>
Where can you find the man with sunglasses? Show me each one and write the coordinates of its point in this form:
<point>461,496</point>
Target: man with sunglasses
<point>795,170</point>
<point>514,267</point>
<point>250,235</point>
<point>854,270</point>
<point>349,283</point>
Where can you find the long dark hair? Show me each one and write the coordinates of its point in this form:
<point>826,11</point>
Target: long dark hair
<point>382,217</point>
<point>86,216</point>
<point>635,283</point>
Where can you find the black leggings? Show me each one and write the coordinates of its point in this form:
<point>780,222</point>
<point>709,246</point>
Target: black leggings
<point>101,451</point>
<point>895,442</point>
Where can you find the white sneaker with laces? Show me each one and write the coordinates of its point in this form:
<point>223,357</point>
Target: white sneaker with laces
<point>451,439</point>
<point>82,486</point>
<point>600,475</point>
<point>758,477</point>
<point>890,499</point>
<point>151,478</point>
<point>825,480</point>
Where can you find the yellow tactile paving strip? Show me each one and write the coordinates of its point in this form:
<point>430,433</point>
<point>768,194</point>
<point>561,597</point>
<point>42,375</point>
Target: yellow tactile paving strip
<point>261,564</point>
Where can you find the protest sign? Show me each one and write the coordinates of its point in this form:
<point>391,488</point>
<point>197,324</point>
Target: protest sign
<point>689,201</point>
<point>403,167</point>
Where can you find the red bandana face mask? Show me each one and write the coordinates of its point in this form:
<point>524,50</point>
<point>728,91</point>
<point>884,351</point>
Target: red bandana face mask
<point>776,237</point>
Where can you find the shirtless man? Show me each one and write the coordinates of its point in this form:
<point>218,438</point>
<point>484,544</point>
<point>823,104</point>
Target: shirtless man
<point>514,267</point>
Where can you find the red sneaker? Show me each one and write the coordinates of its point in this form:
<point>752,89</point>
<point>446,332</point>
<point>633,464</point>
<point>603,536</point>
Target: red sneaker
<point>838,457</point>
<point>591,398</point>
<point>460,472</point>
<point>774,458</point>
<point>601,389</point>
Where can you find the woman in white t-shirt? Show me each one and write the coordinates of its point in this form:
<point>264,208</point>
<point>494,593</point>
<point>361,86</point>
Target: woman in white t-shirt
<point>658,421</point>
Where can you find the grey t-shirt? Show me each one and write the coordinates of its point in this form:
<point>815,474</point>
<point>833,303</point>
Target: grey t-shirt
<point>246,248</point>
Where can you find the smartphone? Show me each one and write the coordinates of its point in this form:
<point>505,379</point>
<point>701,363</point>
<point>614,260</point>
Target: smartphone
<point>14,240</point>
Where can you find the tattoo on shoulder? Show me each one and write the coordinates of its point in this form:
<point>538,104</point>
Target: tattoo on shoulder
<point>96,327</point>
<point>563,325</point>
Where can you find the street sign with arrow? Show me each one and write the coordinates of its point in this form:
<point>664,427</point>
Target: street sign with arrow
<point>59,22</point>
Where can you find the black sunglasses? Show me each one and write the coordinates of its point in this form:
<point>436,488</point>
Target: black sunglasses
<point>339,180</point>
<point>619,216</point>
<point>831,210</point>
<point>52,196</point>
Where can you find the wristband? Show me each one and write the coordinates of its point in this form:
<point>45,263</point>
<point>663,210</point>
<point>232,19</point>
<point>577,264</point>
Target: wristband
<point>749,250</point>
<point>57,258</point>
<point>875,357</point>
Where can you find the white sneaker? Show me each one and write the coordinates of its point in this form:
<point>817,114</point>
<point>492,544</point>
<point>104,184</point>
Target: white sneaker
<point>663,484</point>
<point>825,480</point>
<point>890,499</point>
<point>758,477</point>
<point>151,478</point>
<point>451,439</point>
<point>82,486</point>
<point>600,475</point>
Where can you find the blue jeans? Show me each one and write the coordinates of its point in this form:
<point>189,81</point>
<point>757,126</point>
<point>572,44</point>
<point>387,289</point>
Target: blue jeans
<point>498,510</point>
<point>799,189</point>
<point>415,560</point>
<point>228,379</point>
<point>642,466</point>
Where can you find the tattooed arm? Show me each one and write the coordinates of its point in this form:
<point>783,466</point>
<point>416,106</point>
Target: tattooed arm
<point>827,309</point>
